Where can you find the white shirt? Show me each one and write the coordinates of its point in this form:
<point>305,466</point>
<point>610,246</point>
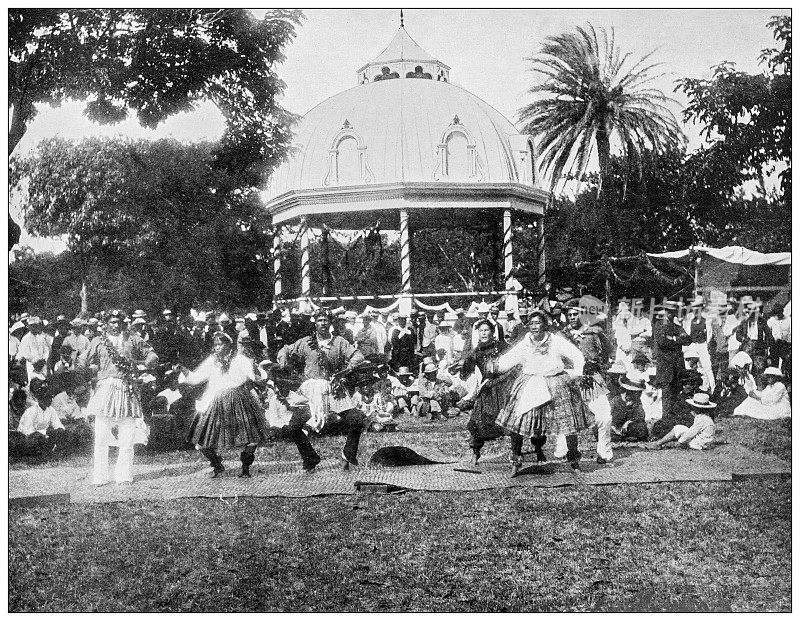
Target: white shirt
<point>701,434</point>
<point>544,364</point>
<point>66,407</point>
<point>240,370</point>
<point>35,347</point>
<point>34,419</point>
<point>13,346</point>
<point>781,328</point>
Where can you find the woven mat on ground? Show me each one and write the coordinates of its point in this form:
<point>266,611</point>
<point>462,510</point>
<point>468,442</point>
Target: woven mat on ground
<point>287,479</point>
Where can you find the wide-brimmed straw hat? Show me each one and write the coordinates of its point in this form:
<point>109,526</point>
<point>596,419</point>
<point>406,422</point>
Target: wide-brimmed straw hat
<point>403,371</point>
<point>774,371</point>
<point>701,400</point>
<point>429,368</point>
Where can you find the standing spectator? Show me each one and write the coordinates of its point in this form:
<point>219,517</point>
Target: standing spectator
<point>781,327</point>
<point>367,338</point>
<point>699,329</point>
<point>76,339</point>
<point>60,330</point>
<point>520,328</point>
<point>15,334</point>
<point>668,341</point>
<point>754,335</point>
<point>34,346</point>
<point>402,340</point>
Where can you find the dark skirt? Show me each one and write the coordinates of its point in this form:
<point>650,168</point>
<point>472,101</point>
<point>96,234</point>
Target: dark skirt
<point>565,413</point>
<point>488,404</point>
<point>233,419</point>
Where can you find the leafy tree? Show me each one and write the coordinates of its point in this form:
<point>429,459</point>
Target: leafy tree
<point>746,118</point>
<point>155,217</point>
<point>592,96</point>
<point>158,62</point>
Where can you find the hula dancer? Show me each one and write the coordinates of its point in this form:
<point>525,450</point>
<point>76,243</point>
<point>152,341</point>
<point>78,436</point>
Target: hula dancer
<point>544,398</point>
<point>228,415</point>
<point>319,358</point>
<point>116,401</point>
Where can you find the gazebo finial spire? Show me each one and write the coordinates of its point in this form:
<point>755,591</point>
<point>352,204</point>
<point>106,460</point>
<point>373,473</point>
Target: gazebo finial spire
<point>401,19</point>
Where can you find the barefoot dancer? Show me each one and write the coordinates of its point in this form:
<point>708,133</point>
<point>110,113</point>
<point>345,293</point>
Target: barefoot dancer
<point>228,415</point>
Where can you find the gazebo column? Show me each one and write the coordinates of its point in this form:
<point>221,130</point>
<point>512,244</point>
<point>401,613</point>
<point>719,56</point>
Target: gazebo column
<point>305,258</point>
<point>542,277</point>
<point>276,263</point>
<point>512,303</point>
<point>508,251</point>
<point>405,263</point>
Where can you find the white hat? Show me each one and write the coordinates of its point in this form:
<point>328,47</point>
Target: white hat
<point>34,320</point>
<point>350,315</point>
<point>17,326</point>
<point>138,313</point>
<point>775,371</point>
<point>430,368</point>
<point>201,316</point>
<point>450,317</point>
<point>698,301</point>
<point>139,322</point>
<point>483,307</point>
<point>251,316</point>
<point>741,360</point>
<point>223,318</point>
<point>701,400</point>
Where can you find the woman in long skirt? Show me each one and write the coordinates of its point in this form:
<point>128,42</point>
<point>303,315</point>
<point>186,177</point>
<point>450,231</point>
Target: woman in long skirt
<point>493,391</point>
<point>228,415</point>
<point>545,398</point>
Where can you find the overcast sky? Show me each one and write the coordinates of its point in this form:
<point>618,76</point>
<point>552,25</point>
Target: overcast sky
<point>485,49</point>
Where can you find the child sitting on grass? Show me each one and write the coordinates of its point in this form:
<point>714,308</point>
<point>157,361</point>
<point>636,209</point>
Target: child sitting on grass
<point>700,435</point>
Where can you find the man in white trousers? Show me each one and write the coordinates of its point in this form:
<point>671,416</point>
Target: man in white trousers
<point>596,349</point>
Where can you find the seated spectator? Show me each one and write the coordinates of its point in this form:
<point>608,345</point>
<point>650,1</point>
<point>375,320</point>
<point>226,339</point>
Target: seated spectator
<point>385,390</point>
<point>615,373</point>
<point>469,379</point>
<point>729,393</point>
<point>681,413</point>
<point>17,405</point>
<point>65,361</point>
<point>38,371</point>
<point>40,425</point>
<point>700,435</point>
<point>768,404</point>
<point>434,392</point>
<point>400,390</point>
<point>66,405</point>
<point>627,415</point>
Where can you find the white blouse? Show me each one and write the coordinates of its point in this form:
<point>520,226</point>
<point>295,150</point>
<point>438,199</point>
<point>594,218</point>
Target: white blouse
<point>550,363</point>
<point>240,370</point>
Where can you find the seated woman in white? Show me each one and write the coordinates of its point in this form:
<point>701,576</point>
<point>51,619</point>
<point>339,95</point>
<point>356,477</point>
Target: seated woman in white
<point>768,404</point>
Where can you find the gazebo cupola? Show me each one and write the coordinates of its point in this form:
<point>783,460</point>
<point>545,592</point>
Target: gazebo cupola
<point>403,58</point>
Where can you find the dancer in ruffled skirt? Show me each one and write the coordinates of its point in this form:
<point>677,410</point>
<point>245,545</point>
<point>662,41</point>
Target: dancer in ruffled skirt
<point>228,413</point>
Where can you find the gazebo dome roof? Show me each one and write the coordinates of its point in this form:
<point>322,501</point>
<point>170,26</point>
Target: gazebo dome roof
<point>400,124</point>
<point>404,125</point>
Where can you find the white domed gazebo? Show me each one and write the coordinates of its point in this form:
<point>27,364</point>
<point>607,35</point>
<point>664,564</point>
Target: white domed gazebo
<point>409,149</point>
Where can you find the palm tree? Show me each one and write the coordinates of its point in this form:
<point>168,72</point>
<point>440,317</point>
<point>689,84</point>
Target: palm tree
<point>593,95</point>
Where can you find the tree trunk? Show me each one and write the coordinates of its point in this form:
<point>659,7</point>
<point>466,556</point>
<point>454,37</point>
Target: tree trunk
<point>15,134</point>
<point>84,298</point>
<point>604,159</point>
<point>19,122</point>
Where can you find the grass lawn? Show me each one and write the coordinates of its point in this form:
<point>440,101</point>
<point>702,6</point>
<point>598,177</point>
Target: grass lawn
<point>678,547</point>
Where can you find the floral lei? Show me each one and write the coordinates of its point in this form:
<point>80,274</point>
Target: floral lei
<point>125,366</point>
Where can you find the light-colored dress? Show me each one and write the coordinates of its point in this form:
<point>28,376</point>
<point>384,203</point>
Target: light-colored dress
<point>774,404</point>
<point>544,398</point>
